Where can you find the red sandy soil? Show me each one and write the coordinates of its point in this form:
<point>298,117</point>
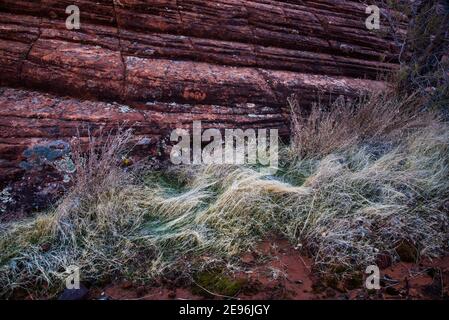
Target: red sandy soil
<point>276,270</point>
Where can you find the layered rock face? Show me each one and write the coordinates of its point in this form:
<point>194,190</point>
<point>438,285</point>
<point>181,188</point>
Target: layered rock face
<point>160,64</point>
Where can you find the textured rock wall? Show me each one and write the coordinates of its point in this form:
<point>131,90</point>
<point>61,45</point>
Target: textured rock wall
<point>160,64</point>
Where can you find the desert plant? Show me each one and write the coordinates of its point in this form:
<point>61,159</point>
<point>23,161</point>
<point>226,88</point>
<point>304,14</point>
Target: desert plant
<point>353,203</point>
<point>326,129</point>
<point>88,228</point>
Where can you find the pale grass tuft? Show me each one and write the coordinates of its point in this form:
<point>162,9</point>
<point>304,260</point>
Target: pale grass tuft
<point>344,203</point>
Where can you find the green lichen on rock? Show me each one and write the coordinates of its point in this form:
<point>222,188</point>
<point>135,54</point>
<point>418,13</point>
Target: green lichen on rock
<point>55,153</point>
<point>65,165</point>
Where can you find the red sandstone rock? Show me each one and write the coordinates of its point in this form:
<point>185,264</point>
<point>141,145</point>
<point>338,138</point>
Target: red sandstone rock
<point>158,65</point>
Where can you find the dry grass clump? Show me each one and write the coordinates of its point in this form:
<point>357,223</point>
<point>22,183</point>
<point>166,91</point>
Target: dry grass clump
<point>343,202</point>
<point>363,203</point>
<point>90,228</point>
<point>378,170</point>
<point>383,117</point>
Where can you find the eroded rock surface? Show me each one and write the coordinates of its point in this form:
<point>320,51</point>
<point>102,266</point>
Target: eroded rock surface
<point>160,64</point>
